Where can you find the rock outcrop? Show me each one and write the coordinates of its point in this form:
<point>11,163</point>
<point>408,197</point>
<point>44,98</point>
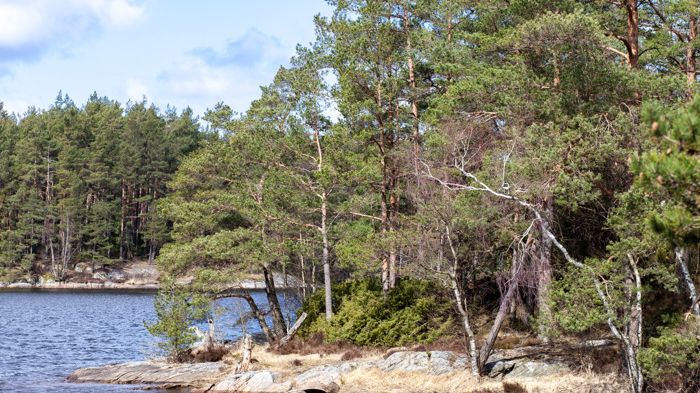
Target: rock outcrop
<point>152,372</point>
<point>216,377</point>
<point>252,381</point>
<point>525,368</point>
<point>432,362</point>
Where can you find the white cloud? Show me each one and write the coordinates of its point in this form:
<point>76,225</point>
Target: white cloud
<point>19,25</point>
<point>252,49</point>
<point>18,107</point>
<point>232,74</point>
<point>136,90</point>
<point>200,85</point>
<point>117,13</point>
<point>194,78</point>
<point>28,26</point>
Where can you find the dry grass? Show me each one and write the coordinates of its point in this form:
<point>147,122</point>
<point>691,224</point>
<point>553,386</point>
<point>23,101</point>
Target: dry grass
<point>513,387</point>
<point>512,341</point>
<point>294,363</point>
<point>373,380</point>
<point>313,344</point>
<point>351,354</point>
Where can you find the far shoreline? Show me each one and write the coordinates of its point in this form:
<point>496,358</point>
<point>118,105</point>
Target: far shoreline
<point>111,287</point>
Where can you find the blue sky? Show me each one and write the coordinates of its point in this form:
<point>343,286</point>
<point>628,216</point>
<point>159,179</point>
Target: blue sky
<point>177,52</point>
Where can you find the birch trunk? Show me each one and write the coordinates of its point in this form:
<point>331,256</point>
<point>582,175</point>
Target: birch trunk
<point>462,308</point>
<point>681,259</point>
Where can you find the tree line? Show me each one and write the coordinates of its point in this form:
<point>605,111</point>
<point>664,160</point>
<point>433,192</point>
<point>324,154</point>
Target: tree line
<point>81,183</point>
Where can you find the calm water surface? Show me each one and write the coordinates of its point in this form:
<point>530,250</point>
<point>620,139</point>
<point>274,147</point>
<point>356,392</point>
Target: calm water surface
<point>44,336</point>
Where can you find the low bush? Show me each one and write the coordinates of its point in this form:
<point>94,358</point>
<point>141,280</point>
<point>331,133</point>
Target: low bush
<point>671,360</point>
<point>414,311</point>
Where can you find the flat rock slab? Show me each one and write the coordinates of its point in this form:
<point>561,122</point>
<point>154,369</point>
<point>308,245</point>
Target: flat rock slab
<point>525,368</point>
<point>252,381</point>
<point>324,379</point>
<point>151,372</point>
<point>433,362</point>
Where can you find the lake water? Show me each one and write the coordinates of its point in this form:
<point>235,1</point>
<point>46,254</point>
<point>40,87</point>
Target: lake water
<point>44,336</point>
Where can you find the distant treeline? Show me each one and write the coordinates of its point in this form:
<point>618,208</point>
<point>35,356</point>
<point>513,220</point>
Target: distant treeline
<point>80,183</point>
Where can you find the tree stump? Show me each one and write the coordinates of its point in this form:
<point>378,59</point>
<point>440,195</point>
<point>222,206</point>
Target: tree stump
<point>246,353</point>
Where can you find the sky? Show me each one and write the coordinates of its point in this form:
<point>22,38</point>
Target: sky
<point>174,52</point>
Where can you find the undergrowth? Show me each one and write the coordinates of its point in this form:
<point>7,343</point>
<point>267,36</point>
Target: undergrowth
<point>415,311</point>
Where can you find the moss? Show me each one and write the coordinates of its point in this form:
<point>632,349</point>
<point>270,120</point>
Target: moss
<point>414,312</point>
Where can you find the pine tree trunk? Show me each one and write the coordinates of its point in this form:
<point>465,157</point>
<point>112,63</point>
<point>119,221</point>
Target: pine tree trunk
<point>326,261</point>
<point>279,326</point>
<point>393,213</point>
<point>384,193</point>
<point>302,270</point>
<point>690,56</point>
<point>384,216</point>
<point>501,315</point>
<point>254,310</point>
<point>313,276</point>
<point>632,40</point>
<point>246,354</point>
<point>544,273</point>
<point>414,93</point>
<point>122,223</point>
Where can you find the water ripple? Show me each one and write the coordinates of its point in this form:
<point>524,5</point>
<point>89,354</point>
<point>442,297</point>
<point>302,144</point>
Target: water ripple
<point>44,336</point>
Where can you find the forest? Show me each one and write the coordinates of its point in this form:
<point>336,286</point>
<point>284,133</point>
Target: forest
<point>426,169</point>
<point>80,184</point>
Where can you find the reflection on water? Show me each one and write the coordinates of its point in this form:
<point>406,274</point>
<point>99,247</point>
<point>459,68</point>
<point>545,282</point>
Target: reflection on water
<point>44,336</point>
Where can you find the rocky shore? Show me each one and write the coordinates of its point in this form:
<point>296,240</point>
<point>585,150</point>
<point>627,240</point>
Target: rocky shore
<point>405,369</point>
<point>133,275</point>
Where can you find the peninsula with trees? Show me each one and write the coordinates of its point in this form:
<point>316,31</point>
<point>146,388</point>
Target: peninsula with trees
<point>458,191</point>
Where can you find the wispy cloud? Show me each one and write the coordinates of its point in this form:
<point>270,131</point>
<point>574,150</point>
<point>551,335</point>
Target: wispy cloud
<point>232,73</point>
<point>195,78</point>
<point>30,27</point>
<point>253,49</point>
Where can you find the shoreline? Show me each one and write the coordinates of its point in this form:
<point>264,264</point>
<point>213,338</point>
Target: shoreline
<point>131,276</point>
<point>117,287</point>
<point>397,369</point>
<point>27,287</point>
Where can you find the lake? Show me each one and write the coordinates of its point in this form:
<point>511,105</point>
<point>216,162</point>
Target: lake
<point>45,335</point>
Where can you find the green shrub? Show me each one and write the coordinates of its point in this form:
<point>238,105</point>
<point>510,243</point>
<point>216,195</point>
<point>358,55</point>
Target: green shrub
<point>11,275</point>
<point>415,311</point>
<point>176,311</point>
<point>672,359</point>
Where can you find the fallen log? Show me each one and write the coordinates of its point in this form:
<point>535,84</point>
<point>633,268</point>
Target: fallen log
<point>292,331</point>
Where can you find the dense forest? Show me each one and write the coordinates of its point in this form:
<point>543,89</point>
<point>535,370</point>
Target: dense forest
<point>424,168</point>
<point>80,184</point>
